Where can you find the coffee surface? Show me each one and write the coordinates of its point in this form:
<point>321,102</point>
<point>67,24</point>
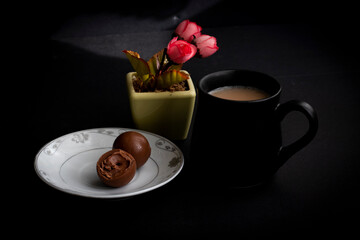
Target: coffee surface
<point>239,93</point>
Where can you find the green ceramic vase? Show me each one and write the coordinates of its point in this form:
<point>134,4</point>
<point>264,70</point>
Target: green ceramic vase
<point>167,113</point>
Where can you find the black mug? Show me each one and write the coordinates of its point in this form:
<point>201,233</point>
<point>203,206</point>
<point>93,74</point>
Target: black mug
<point>239,143</point>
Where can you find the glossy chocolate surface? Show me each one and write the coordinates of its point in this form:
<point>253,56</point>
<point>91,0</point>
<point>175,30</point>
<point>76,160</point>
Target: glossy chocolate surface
<point>135,144</point>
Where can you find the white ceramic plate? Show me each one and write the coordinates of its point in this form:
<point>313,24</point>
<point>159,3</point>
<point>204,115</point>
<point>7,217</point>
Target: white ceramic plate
<point>68,163</point>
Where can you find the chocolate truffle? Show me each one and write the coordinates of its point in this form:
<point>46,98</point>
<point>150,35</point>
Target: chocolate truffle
<point>116,168</point>
<point>135,144</point>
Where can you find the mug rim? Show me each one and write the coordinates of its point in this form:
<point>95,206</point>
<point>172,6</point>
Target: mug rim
<point>228,71</point>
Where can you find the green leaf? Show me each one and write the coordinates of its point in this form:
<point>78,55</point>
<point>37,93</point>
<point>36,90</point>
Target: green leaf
<point>168,78</point>
<point>139,64</point>
<point>175,67</point>
<point>150,82</point>
<point>155,62</point>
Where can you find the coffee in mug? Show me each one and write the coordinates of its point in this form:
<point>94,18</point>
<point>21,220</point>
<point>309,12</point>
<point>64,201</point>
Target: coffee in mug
<point>239,93</point>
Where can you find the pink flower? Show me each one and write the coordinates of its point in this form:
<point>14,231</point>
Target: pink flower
<point>186,30</point>
<point>206,45</point>
<point>180,51</point>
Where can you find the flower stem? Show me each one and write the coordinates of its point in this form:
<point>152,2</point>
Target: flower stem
<point>165,66</point>
<point>162,60</point>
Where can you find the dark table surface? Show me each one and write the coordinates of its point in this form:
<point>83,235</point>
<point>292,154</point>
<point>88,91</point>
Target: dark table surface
<point>81,85</point>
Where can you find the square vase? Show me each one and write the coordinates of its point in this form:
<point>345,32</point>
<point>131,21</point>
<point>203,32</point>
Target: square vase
<point>167,113</point>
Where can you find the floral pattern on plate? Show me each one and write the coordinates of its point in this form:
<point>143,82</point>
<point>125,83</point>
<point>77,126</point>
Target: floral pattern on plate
<point>68,163</point>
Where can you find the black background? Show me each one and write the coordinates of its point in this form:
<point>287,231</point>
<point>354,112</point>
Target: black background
<point>69,73</point>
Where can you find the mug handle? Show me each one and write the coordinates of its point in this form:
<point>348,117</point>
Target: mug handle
<point>294,105</point>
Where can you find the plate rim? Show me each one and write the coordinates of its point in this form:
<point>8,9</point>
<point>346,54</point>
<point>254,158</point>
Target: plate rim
<point>115,196</point>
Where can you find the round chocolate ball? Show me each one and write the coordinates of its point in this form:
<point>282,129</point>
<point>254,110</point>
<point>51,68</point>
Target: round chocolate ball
<point>116,168</point>
<point>136,144</point>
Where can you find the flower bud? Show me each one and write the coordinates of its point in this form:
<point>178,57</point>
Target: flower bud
<point>180,51</point>
<point>186,30</point>
<point>206,45</point>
